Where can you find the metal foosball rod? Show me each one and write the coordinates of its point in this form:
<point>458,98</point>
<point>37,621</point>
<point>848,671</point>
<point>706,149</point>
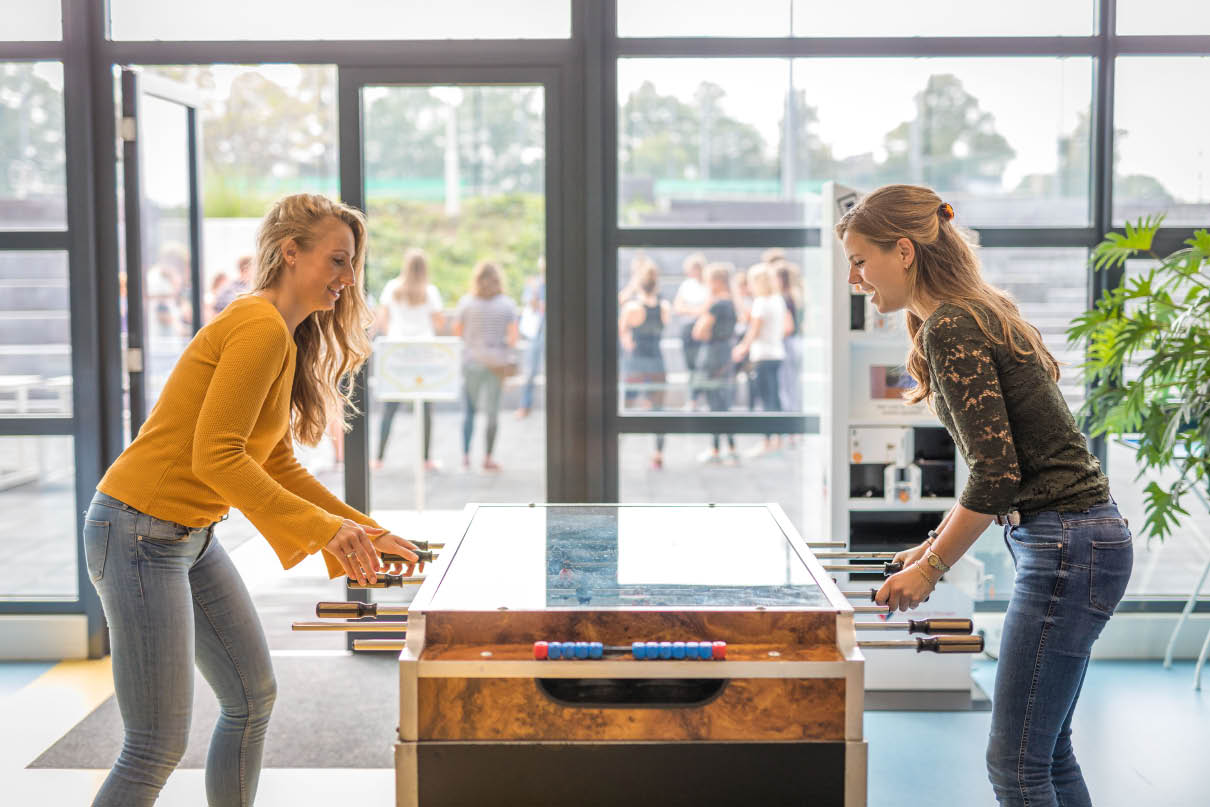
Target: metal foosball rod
<point>887,569</point>
<point>355,610</point>
<point>827,545</point>
<point>867,594</point>
<point>938,626</point>
<point>855,555</point>
<point>422,556</point>
<point>373,626</point>
<point>929,644</point>
<point>388,581</point>
<point>392,645</point>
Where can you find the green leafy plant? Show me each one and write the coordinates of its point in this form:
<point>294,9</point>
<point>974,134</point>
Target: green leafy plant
<point>1148,361</point>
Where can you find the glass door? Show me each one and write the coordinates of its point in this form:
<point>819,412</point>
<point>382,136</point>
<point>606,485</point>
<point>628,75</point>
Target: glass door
<point>162,192</point>
<point>455,171</point>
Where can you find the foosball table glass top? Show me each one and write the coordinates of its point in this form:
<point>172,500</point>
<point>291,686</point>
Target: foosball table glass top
<point>626,556</point>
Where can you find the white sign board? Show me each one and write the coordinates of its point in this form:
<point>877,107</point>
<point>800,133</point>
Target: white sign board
<point>418,369</point>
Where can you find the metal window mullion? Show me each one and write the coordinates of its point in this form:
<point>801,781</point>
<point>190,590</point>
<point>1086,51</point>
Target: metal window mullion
<point>353,53</point>
<point>798,237</point>
<point>33,50</point>
<point>194,130</point>
<point>35,240</point>
<point>854,47</point>
<point>725,423</point>
<point>611,241</point>
<point>1102,167</point>
<point>38,426</point>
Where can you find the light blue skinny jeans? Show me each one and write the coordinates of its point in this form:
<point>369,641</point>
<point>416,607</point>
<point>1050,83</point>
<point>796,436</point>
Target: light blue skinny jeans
<point>173,598</point>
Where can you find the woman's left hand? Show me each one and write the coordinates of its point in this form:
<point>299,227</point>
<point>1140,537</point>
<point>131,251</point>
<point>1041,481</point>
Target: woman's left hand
<point>392,543</point>
<point>905,590</point>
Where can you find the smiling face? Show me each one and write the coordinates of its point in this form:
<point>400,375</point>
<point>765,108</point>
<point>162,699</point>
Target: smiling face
<point>319,274</point>
<point>882,273</point>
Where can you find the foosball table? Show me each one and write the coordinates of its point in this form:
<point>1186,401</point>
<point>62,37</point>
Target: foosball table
<point>608,654</point>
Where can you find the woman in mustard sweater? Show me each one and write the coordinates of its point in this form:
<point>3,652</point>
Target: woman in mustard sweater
<point>259,376</point>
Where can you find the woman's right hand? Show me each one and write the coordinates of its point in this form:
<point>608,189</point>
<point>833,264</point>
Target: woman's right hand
<point>909,556</point>
<point>352,545</point>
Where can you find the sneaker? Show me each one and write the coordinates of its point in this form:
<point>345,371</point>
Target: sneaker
<point>657,463</point>
<point>432,466</point>
<point>709,457</point>
<point>490,465</point>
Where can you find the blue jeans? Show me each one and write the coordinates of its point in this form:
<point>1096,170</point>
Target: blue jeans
<point>533,363</point>
<point>480,392</point>
<point>1072,570</point>
<point>172,598</point>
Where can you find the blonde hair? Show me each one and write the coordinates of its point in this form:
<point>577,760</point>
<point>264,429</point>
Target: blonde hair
<point>760,279</point>
<point>486,281</point>
<point>694,259</point>
<point>332,345</point>
<point>946,270</point>
<point>719,273</point>
<point>415,277</point>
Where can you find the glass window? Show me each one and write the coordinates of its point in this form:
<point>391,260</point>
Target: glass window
<point>33,22</point>
<point>38,528</point>
<point>1163,17</point>
<point>35,335</point>
<point>942,18</point>
<point>663,293</point>
<point>455,178</point>
<point>751,141</point>
<point>1050,286</point>
<point>642,18</point>
<point>740,473</point>
<point>1159,165</point>
<point>33,158</point>
<point>760,18</point>
<point>357,19</point>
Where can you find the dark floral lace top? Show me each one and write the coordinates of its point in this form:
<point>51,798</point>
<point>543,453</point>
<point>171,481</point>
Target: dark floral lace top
<point>1010,422</point>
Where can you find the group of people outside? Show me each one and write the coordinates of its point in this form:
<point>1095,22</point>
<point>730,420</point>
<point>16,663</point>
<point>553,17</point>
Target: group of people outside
<point>490,325</point>
<point>732,325</point>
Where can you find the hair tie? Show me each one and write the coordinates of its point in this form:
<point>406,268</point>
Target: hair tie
<point>946,211</point>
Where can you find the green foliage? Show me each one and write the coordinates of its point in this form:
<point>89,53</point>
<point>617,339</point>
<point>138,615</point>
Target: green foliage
<point>1149,358</point>
<point>508,229</point>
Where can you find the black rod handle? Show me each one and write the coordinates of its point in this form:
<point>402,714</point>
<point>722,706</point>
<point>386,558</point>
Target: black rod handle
<point>942,626</point>
<point>949,644</point>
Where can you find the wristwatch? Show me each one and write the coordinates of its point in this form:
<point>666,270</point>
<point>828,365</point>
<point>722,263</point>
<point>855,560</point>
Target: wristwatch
<point>934,560</point>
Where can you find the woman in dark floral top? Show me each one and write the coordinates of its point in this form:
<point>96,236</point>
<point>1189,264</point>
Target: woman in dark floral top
<point>986,373</point>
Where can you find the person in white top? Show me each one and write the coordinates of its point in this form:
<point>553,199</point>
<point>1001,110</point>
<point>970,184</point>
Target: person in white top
<point>409,308</point>
<point>691,301</point>
<point>763,343</point>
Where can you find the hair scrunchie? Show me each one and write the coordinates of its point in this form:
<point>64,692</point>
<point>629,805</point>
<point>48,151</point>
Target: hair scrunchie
<point>946,211</point>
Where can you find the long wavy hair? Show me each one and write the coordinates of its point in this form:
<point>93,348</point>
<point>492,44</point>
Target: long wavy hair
<point>945,270</point>
<point>332,345</point>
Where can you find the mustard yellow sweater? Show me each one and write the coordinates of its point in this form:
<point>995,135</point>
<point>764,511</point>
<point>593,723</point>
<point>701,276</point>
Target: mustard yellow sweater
<point>218,437</point>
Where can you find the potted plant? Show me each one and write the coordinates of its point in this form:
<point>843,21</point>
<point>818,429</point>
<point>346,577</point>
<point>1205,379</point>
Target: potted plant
<point>1148,362</point>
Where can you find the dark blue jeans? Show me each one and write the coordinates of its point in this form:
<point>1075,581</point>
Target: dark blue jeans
<point>173,598</point>
<point>1072,570</point>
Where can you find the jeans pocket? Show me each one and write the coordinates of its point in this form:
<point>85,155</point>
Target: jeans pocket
<point>1110,567</point>
<point>96,547</point>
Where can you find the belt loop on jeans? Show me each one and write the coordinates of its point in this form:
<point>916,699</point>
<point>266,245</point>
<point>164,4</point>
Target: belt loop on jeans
<point>1011,517</point>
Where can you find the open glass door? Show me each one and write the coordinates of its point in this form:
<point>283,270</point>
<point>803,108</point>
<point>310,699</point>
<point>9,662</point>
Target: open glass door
<point>162,191</point>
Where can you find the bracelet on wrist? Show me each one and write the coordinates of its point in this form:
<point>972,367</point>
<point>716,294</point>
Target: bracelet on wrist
<point>920,569</point>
